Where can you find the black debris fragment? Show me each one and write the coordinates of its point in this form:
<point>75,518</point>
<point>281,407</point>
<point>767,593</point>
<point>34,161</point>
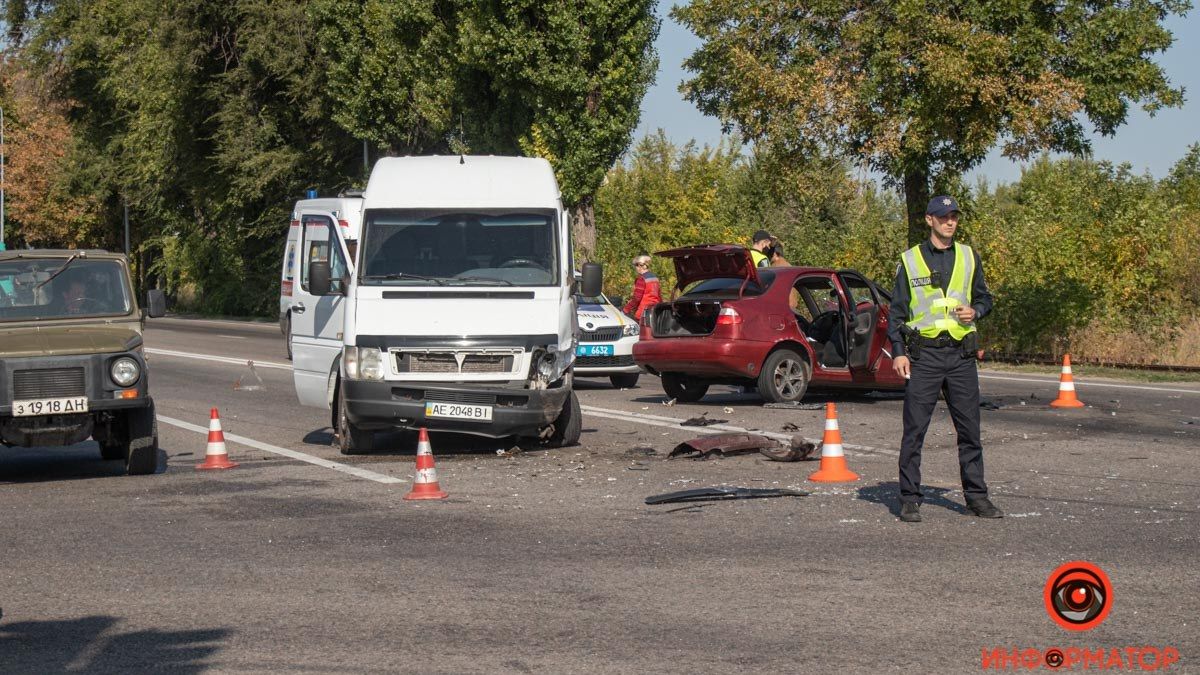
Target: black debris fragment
<point>789,427</point>
<point>641,451</point>
<point>701,421</point>
<point>795,405</point>
<point>720,493</point>
<point>988,404</point>
<point>796,451</point>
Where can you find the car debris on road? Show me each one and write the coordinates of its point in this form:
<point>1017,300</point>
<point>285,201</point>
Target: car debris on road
<point>722,493</point>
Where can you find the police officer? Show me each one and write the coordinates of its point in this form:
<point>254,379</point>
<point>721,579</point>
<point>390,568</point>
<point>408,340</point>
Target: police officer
<point>939,295</point>
<point>760,242</point>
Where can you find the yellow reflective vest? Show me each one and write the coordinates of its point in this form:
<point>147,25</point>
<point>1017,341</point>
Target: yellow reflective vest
<point>930,311</point>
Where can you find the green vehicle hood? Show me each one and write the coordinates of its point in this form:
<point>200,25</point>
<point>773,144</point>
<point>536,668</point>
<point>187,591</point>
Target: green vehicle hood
<point>67,340</point>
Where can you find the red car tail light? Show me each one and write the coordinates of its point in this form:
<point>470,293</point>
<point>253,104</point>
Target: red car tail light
<point>728,317</point>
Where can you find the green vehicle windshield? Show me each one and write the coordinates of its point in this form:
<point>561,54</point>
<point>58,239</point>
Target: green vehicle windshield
<point>31,289</point>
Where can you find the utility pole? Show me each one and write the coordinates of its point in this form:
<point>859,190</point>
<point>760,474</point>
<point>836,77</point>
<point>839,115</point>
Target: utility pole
<point>366,166</point>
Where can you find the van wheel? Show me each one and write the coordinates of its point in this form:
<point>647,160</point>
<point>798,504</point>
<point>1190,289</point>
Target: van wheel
<point>569,424</point>
<point>351,439</point>
<point>287,336</point>
<point>141,457</point>
<point>624,380</point>
<point>683,388</point>
<point>784,377</point>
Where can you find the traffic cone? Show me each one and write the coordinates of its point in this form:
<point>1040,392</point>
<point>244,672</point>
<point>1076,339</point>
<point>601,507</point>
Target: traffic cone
<point>425,484</point>
<point>833,459</point>
<point>1066,388</point>
<point>215,457</point>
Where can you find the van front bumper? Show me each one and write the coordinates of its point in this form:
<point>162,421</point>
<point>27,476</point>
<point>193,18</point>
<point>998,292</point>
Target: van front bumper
<point>401,405</point>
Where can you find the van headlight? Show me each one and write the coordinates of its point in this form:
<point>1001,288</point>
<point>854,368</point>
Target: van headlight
<point>350,362</point>
<point>370,363</point>
<point>125,371</point>
<point>630,329</point>
<point>546,366</point>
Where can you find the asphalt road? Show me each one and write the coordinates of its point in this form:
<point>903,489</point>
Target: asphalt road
<point>301,559</point>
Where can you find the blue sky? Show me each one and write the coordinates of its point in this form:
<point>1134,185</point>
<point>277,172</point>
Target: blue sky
<point>1148,144</point>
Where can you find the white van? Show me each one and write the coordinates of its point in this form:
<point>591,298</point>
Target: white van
<point>459,313</point>
<point>346,209</point>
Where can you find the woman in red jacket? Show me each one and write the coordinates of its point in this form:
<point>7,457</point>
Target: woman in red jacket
<point>646,291</point>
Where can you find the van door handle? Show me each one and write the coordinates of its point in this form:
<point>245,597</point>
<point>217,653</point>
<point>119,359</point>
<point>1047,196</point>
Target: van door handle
<point>298,308</point>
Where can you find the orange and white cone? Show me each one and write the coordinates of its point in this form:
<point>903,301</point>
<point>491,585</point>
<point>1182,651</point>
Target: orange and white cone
<point>1066,388</point>
<point>425,483</point>
<point>833,458</point>
<point>215,457</point>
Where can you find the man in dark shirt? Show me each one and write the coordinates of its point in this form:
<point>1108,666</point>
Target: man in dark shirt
<point>936,301</point>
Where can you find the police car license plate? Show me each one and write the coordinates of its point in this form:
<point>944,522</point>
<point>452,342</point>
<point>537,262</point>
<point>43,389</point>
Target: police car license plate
<point>50,406</point>
<point>458,411</point>
<point>594,350</point>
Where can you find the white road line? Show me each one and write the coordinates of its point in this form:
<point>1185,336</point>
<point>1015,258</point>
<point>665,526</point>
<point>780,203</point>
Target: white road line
<point>232,337</point>
<point>352,470</point>
<point>982,376</point>
<point>219,359</point>
<point>712,429</point>
<point>1090,383</point>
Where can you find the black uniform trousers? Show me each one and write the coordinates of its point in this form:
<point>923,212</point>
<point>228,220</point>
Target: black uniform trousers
<point>935,367</point>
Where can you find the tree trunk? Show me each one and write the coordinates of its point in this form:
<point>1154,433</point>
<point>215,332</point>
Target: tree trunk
<point>583,231</point>
<point>916,198</point>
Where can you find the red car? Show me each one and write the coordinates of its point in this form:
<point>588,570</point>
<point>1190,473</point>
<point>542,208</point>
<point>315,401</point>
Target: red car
<point>777,329</point>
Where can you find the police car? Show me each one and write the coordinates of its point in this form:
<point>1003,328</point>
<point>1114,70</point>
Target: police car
<point>606,339</point>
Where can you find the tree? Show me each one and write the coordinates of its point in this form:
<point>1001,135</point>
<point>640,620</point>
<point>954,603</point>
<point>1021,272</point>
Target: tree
<point>562,81</point>
<point>921,91</point>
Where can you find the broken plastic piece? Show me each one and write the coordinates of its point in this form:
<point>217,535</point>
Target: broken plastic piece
<point>795,405</point>
<point>249,381</point>
<point>796,451</point>
<point>722,445</point>
<point>711,493</point>
<point>701,421</point>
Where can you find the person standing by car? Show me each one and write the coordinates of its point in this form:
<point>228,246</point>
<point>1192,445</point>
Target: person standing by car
<point>759,243</point>
<point>647,291</point>
<point>939,294</point>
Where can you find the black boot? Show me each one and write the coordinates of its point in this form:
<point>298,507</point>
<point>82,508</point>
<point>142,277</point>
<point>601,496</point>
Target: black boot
<point>984,508</point>
<point>910,512</point>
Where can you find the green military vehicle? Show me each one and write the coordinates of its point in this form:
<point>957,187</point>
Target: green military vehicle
<point>71,361</point>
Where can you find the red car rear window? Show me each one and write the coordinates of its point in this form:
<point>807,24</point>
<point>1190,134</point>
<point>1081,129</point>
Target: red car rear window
<point>728,288</point>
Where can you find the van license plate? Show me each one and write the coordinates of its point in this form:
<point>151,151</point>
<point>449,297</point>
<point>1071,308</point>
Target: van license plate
<point>50,406</point>
<point>594,350</point>
<point>458,411</point>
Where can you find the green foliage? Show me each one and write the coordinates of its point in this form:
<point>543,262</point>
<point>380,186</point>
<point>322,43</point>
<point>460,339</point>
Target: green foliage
<point>922,91</point>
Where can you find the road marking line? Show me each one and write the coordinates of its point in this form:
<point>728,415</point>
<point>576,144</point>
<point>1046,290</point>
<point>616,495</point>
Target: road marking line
<point>352,470</point>
<point>1092,383</point>
<point>712,429</point>
<point>232,337</point>
<point>1085,383</point>
<point>219,359</point>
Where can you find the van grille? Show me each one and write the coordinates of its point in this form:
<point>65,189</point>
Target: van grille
<point>601,335</point>
<point>47,383</point>
<point>445,362</point>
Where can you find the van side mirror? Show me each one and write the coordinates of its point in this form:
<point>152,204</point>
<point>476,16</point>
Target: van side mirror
<point>617,301</point>
<point>593,279</point>
<point>319,281</point>
<point>156,303</point>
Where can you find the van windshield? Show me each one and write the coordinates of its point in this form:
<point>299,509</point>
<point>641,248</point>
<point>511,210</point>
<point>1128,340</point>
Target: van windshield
<point>459,248</point>
<point>31,289</point>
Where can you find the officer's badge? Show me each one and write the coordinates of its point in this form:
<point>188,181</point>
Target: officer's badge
<point>922,281</point>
